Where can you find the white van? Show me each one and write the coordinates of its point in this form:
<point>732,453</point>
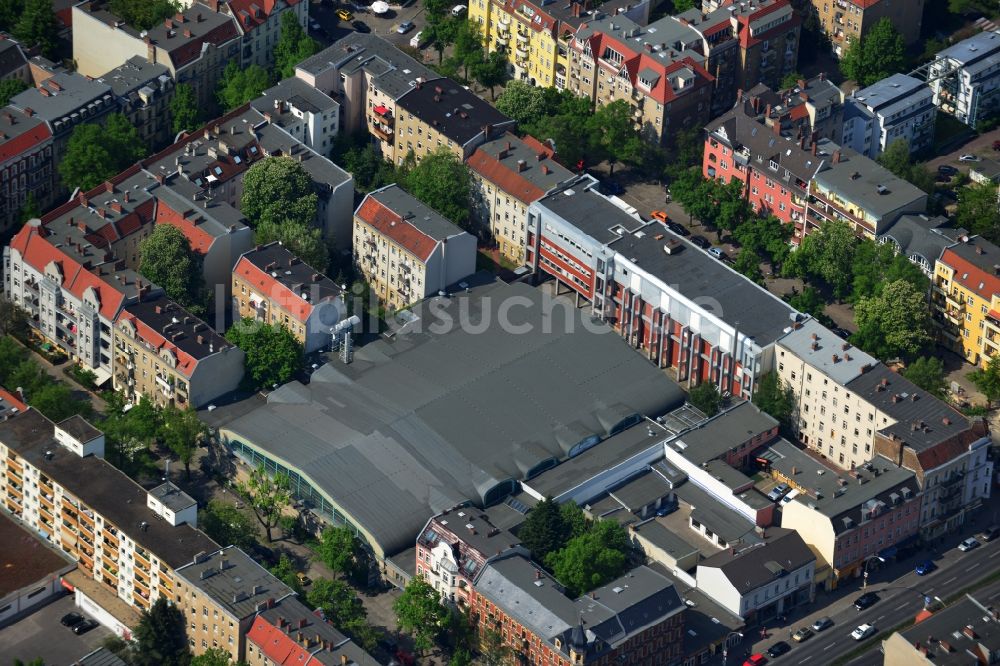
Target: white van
<point>458,10</point>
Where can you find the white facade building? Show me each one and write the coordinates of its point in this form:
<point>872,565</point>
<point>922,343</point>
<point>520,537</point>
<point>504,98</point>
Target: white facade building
<point>896,108</point>
<point>974,91</point>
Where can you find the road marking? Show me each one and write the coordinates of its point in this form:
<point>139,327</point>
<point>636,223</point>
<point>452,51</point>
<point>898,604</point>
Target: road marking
<point>805,660</point>
<point>879,618</point>
<point>950,580</point>
<point>828,647</point>
<point>974,566</point>
<point>901,606</point>
<point>995,554</point>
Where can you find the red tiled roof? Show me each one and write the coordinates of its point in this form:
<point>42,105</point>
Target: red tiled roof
<point>540,19</point>
<point>976,275</point>
<point>14,401</point>
<point>274,290</point>
<point>279,647</point>
<point>201,240</point>
<point>744,25</point>
<point>38,252</point>
<point>25,140</point>
<point>535,144</point>
<point>190,49</point>
<point>186,363</point>
<point>248,21</point>
<point>953,447</point>
<point>507,179</point>
<point>391,225</point>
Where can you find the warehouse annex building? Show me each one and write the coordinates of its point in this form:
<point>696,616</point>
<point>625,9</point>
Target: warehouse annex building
<point>426,420</point>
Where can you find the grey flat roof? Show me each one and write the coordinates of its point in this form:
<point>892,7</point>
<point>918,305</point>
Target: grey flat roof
<point>909,405</point>
<point>233,580</point>
<point>387,437</point>
<point>426,220</point>
<point>641,490</point>
<point>75,91</point>
<point>296,92</point>
<point>590,212</point>
<point>172,497</point>
<point>889,92</point>
<point>948,624</point>
<point>856,178</point>
<point>673,544</point>
<point>799,341</point>
<point>716,516</point>
<point>323,172</point>
<point>723,433</point>
<point>135,73</point>
<point>99,657</point>
<point>783,551</point>
<point>974,48</point>
<point>451,109</point>
<point>702,278</point>
<point>729,476</point>
<point>923,236</point>
<point>579,469</point>
<point>498,161</point>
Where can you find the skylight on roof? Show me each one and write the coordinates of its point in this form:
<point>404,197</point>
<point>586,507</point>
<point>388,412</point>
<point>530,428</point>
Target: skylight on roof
<point>217,170</point>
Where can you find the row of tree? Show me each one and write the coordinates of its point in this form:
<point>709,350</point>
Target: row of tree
<point>18,370</point>
<point>32,22</point>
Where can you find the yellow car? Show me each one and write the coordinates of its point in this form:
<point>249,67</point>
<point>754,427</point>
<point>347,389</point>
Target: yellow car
<point>344,15</point>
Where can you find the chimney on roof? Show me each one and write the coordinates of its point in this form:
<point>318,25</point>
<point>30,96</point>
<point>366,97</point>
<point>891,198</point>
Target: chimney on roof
<point>836,157</point>
<point>545,169</point>
<point>777,128</point>
<point>343,660</point>
<point>168,24</point>
<point>126,196</point>
<point>115,206</point>
<point>302,622</point>
<point>814,147</point>
<point>101,212</point>
<point>521,165</point>
<point>767,111</point>
<point>979,249</point>
<point>187,33</point>
<point>179,17</point>
<point>281,622</point>
<point>315,277</point>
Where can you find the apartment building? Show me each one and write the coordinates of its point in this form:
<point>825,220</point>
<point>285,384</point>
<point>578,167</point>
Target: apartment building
<point>303,111</point>
<point>13,63</point>
<point>813,108</point>
<point>717,326</point>
<point>272,285</point>
<point>27,168</point>
<point>846,20</point>
<point>144,90</point>
<point>848,518</point>
<point>288,633</point>
<point>862,193</point>
<point>220,592</point>
<point>455,546</point>
<point>508,174</point>
<point>776,168</point>
<point>363,72</point>
<point>259,25</point>
<point>533,35</point>
<point>127,539</point>
<point>965,78</point>
<point>897,108</point>
<point>761,581</point>
<point>440,114</point>
<point>195,45</point>
<point>172,357</point>
<point>405,250</point>
<point>922,239</point>
<point>849,408</point>
<point>638,617</point>
<point>967,631</point>
<point>965,298</point>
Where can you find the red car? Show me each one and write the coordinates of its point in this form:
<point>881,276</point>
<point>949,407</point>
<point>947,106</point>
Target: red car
<point>755,660</point>
<point>996,145</point>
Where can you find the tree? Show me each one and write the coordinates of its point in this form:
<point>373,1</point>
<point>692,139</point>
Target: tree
<point>442,182</point>
<point>213,657</point>
<point>181,430</point>
<point>238,86</point>
<point>420,613</point>
<point>144,14</point>
<point>339,548</point>
<point>809,301</point>
<point>293,46</point>
<point>184,110</point>
<point>278,190</point>
<point>30,209</point>
<point>9,88</point>
<point>545,530</point>
<point>492,649</point>
<point>523,102</point>
<point>616,137</point>
<point>706,397</point>
<point>896,158</point>
<point>440,34</point>
<point>339,603</point>
<point>927,372</point>
<point>37,26</point>
<point>267,495</point>
<point>10,12</point>
<point>775,399</point>
<point>468,51</point>
<point>227,525</point>
<point>827,254</point>
<point>56,401</point>
<point>987,380</point>
<point>791,80</point>
<point>684,5</point>
<point>306,242</point>
<point>893,323</point>
<point>878,264</point>
<point>160,636</point>
<point>491,71</point>
<point>13,319</point>
<point>879,55</point>
<point>285,571</point>
<point>767,235</point>
<point>592,559</point>
<point>166,258</point>
<point>977,210</point>
<point>273,355</point>
<point>96,153</point>
<point>748,263</point>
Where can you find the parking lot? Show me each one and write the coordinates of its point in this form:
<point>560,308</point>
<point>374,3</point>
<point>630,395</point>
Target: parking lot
<point>332,27</point>
<point>41,635</point>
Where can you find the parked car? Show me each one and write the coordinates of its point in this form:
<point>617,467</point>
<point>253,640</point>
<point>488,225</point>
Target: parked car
<point>802,634</point>
<point>778,649</point>
<point>344,15</point>
<point>866,600</point>
<point>947,170</point>
<point>990,533</point>
<point>755,660</point>
<point>458,10</point>
<point>404,27</point>
<point>678,229</point>
<point>968,544</point>
<point>666,510</point>
<point>71,619</point>
<point>718,253</point>
<point>822,624</point>
<point>84,627</point>
<point>661,216</point>
<point>863,632</point>
<point>925,568</point>
<point>361,26</point>
<point>701,242</point>
<point>779,490</point>
<point>304,580</point>
<point>996,145</point>
<point>968,158</point>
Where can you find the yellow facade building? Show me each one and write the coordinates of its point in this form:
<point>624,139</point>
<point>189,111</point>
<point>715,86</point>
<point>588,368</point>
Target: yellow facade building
<point>966,298</point>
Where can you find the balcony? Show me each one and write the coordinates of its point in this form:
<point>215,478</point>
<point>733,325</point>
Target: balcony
<point>382,132</point>
<point>522,38</point>
<point>521,52</point>
<point>381,114</point>
<point>110,568</point>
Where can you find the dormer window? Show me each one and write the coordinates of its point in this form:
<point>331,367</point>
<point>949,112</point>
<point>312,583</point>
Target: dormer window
<point>612,56</point>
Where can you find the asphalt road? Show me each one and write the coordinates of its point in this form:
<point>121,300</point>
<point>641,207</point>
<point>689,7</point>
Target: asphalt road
<point>900,600</point>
